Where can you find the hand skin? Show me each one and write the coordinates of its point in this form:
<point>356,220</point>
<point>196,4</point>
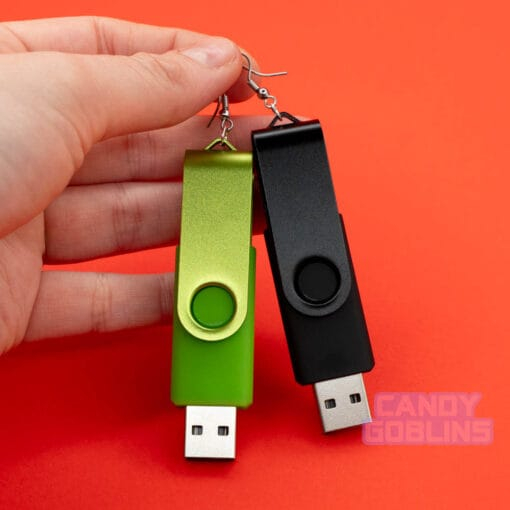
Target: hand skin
<point>96,115</point>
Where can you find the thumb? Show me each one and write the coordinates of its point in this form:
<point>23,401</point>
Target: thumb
<point>63,103</point>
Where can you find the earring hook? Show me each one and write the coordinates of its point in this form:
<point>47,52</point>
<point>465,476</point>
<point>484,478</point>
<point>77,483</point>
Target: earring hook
<point>270,101</point>
<point>227,124</point>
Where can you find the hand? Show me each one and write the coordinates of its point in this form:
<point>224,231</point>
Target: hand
<point>83,154</point>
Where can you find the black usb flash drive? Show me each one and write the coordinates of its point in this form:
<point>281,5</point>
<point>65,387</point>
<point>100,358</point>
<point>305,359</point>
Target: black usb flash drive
<point>312,269</point>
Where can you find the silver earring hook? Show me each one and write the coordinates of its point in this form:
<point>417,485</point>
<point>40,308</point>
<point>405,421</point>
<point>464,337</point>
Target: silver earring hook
<point>262,92</point>
<point>227,124</point>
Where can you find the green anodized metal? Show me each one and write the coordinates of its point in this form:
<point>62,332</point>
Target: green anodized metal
<point>215,238</point>
<point>212,352</point>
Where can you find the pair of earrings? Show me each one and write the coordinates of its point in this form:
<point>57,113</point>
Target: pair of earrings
<point>213,332</point>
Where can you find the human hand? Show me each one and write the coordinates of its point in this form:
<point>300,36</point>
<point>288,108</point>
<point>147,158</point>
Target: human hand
<point>83,157</point>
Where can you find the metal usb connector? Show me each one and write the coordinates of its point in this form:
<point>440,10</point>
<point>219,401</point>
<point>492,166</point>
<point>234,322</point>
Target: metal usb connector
<point>342,402</point>
<point>210,432</point>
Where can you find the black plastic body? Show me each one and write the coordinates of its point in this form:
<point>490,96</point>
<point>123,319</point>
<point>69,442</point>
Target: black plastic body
<point>326,332</point>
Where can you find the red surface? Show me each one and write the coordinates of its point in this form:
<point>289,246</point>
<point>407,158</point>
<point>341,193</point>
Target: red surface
<point>414,101</point>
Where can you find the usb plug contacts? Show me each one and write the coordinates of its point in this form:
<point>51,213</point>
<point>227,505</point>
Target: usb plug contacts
<point>210,432</point>
<point>342,402</point>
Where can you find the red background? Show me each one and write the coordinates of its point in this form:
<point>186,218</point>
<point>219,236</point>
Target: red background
<point>414,101</point>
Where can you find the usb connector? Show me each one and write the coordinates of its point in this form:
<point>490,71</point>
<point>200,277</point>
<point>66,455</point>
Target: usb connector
<point>342,402</point>
<point>210,432</point>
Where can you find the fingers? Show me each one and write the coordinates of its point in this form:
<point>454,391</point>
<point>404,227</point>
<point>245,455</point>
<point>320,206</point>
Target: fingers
<point>87,222</point>
<point>91,35</point>
<point>98,302</point>
<point>100,36</point>
<point>92,221</point>
<point>158,155</point>
<point>56,106</point>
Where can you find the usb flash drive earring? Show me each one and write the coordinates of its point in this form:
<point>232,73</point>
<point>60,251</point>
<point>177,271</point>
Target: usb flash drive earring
<point>212,353</point>
<point>312,267</point>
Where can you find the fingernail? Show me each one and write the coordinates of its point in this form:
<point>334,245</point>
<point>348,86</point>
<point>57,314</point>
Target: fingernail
<point>216,53</point>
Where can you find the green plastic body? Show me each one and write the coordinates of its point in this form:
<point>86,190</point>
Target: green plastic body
<point>215,373</point>
<point>212,353</point>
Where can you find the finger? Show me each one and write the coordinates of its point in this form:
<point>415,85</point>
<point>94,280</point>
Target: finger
<point>157,155</point>
<point>87,222</point>
<point>72,303</point>
<point>101,36</point>
<point>90,35</point>
<point>49,124</point>
<point>93,221</point>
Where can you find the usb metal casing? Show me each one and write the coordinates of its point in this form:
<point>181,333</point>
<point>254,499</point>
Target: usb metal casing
<point>312,267</point>
<point>212,352</point>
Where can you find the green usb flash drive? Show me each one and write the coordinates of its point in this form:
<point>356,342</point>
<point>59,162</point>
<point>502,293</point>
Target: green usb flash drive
<point>212,353</point>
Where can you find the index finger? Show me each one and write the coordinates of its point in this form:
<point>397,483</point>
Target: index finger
<point>95,35</point>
